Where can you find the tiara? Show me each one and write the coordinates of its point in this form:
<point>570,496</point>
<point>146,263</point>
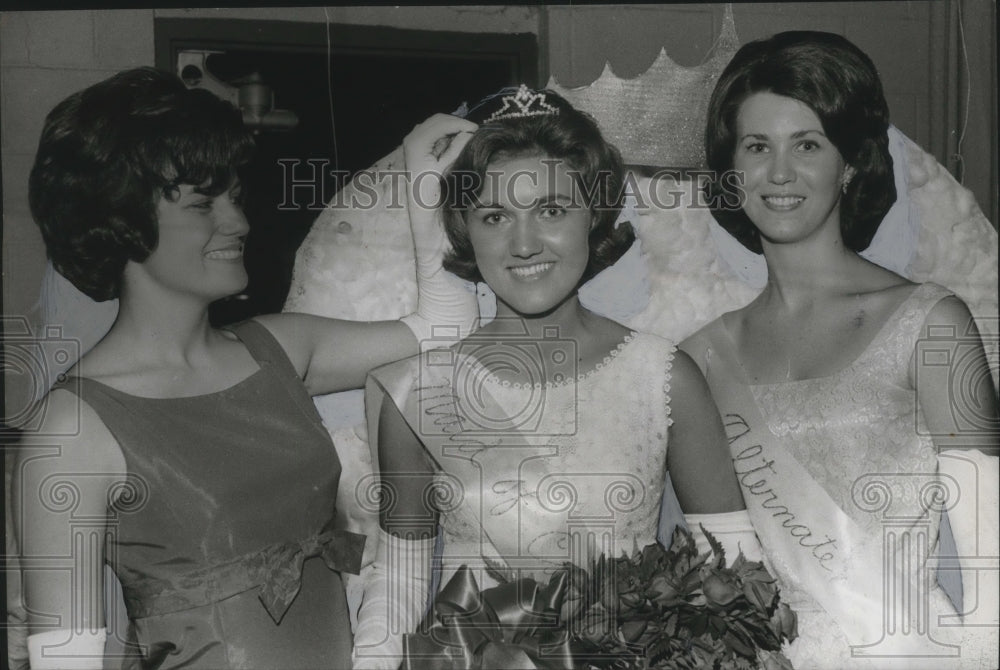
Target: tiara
<point>657,118</point>
<point>523,103</point>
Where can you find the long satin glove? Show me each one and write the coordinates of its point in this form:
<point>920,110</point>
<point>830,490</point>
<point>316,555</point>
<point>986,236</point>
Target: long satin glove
<point>733,530</point>
<point>395,599</point>
<point>65,650</point>
<point>447,307</point>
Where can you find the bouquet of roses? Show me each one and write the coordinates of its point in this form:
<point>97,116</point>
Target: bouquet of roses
<point>658,609</point>
<point>675,609</point>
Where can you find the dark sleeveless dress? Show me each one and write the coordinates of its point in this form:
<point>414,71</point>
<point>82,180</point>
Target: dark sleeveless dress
<point>228,499</point>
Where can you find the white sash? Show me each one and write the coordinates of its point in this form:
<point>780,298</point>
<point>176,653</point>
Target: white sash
<point>452,430</point>
<point>808,538</point>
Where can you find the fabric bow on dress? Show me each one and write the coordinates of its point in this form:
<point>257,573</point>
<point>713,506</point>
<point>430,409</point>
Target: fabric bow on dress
<point>275,569</point>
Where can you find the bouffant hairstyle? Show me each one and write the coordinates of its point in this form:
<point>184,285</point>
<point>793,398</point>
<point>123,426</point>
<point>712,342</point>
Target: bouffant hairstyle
<point>569,135</point>
<point>108,153</point>
<point>840,84</point>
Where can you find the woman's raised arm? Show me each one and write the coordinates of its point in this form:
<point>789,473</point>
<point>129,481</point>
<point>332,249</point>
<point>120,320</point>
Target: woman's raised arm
<point>334,355</point>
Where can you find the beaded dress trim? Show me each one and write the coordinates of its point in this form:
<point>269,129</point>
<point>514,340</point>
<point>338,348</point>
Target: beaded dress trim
<point>612,355</point>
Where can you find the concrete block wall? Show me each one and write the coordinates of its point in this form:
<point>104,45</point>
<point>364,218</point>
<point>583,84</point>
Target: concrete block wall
<point>45,57</point>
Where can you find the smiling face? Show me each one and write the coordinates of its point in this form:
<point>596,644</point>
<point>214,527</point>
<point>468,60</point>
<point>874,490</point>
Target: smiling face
<point>793,172</point>
<point>529,232</point>
<point>200,245</point>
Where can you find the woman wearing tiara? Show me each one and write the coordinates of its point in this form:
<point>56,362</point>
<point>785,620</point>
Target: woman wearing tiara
<point>834,408</point>
<point>544,437</point>
<point>189,458</point>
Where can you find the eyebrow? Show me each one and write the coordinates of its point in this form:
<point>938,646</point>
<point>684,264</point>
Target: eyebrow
<point>796,135</point>
<point>547,199</point>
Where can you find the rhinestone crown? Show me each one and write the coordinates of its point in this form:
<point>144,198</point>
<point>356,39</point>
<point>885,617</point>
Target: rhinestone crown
<point>523,103</point>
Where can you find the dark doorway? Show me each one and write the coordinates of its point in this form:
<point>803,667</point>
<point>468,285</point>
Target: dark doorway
<point>382,82</point>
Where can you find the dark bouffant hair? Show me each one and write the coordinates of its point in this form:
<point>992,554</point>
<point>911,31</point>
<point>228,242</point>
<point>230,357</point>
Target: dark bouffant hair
<point>841,85</point>
<point>106,156</point>
<point>571,136</point>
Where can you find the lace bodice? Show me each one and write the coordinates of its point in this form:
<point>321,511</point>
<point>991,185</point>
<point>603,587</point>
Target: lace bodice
<point>571,476</point>
<point>861,435</point>
<point>863,419</point>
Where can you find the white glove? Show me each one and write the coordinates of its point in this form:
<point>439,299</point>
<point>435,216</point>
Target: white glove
<point>395,600</point>
<point>63,649</point>
<point>733,530</point>
<point>447,307</point>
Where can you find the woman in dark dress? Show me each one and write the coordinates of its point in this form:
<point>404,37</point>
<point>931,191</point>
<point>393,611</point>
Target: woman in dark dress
<point>187,457</point>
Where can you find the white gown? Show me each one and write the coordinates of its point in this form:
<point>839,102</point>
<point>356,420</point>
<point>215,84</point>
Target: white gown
<point>544,474</point>
<point>865,467</point>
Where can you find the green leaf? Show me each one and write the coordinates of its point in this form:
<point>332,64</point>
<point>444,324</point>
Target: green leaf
<point>738,645</point>
<point>717,549</point>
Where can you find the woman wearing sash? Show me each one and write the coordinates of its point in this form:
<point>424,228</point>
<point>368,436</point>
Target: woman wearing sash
<point>189,458</point>
<point>544,437</point>
<point>835,405</point>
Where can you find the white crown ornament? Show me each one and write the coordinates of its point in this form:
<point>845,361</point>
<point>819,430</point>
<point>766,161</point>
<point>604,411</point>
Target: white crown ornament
<point>523,103</point>
<point>658,118</point>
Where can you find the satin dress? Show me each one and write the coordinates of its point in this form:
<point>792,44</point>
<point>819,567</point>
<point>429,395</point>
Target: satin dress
<point>222,535</point>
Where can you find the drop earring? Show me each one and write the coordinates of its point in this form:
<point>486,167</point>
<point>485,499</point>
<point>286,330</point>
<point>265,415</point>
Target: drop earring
<point>846,180</point>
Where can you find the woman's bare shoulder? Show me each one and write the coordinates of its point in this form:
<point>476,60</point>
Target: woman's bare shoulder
<point>78,436</point>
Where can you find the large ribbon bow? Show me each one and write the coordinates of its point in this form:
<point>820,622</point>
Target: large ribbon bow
<point>513,626</point>
<point>282,565</point>
<point>275,571</point>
